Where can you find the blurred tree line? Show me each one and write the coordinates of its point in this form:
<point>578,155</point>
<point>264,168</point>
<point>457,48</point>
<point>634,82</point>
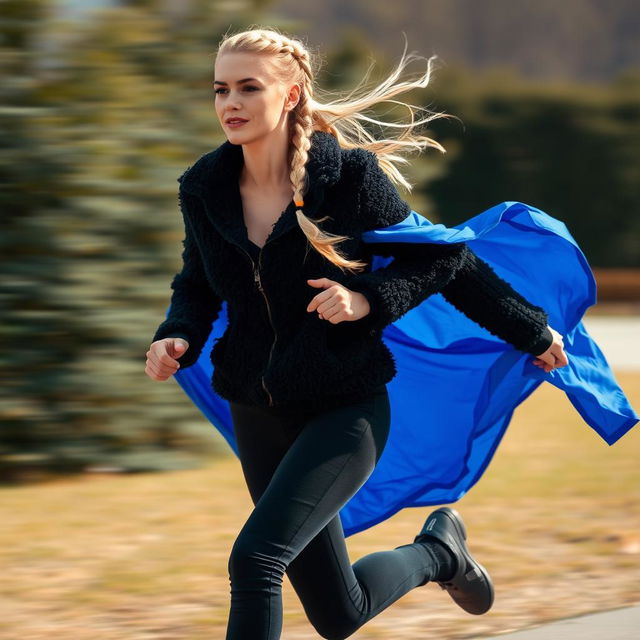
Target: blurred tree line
<point>589,40</point>
<point>100,117</point>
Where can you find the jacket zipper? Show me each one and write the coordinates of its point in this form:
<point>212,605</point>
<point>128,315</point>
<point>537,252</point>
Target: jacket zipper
<point>258,282</point>
<point>256,278</point>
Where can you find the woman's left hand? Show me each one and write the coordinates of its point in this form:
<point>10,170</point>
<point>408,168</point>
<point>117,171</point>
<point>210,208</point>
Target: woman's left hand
<point>337,303</point>
<point>554,357</point>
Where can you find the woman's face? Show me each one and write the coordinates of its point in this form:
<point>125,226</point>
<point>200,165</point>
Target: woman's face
<point>262,101</point>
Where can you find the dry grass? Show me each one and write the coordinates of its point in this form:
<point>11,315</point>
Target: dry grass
<point>555,519</point>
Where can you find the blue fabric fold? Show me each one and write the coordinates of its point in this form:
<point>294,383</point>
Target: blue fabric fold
<point>457,384</point>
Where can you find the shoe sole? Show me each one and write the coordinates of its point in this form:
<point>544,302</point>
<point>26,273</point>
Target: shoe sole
<point>458,523</point>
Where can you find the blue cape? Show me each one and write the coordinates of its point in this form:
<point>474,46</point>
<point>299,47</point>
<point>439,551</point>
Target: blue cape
<point>457,385</point>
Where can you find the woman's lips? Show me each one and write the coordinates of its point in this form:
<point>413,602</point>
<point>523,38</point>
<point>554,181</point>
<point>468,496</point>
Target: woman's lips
<point>236,124</point>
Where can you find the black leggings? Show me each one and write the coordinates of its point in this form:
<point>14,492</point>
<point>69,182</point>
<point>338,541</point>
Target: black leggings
<point>301,469</point>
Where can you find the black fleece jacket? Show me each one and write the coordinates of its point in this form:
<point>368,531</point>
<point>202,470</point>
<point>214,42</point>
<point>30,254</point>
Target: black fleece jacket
<point>274,352</point>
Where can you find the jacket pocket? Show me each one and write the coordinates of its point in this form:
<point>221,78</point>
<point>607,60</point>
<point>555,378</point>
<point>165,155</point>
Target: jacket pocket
<point>346,339</point>
<point>332,352</point>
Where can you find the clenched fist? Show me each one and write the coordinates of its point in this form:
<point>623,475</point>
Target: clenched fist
<point>162,357</point>
<point>554,357</point>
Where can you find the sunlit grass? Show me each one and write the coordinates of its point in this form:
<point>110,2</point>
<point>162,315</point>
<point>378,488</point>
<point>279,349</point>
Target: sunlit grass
<point>555,519</point>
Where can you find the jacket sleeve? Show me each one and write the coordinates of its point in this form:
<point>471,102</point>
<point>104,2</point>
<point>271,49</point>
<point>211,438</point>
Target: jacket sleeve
<point>419,270</point>
<point>491,302</point>
<point>194,305</point>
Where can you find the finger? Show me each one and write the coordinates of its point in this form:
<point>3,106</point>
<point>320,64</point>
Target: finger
<point>163,369</point>
<point>547,359</point>
<point>557,348</point>
<point>331,298</point>
<point>164,364</point>
<point>553,366</point>
<point>317,301</point>
<point>330,307</point>
<point>547,362</point>
<point>169,369</point>
<point>337,317</point>
<point>330,295</point>
<point>153,371</point>
<point>168,361</point>
<point>154,359</point>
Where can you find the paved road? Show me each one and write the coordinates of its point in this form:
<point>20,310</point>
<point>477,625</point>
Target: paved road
<point>619,624</point>
<point>619,339</point>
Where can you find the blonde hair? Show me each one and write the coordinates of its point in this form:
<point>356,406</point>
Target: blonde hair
<point>293,63</point>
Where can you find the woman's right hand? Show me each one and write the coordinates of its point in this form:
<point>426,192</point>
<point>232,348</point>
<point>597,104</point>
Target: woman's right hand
<point>162,357</point>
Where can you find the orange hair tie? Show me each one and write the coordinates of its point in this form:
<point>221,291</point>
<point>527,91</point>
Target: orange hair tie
<point>299,203</point>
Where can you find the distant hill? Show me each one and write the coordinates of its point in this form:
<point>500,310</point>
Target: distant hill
<point>589,40</point>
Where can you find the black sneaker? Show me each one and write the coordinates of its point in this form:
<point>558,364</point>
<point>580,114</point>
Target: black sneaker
<point>470,586</point>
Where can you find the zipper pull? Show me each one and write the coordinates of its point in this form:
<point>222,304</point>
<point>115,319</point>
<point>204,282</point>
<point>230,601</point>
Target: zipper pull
<point>256,278</point>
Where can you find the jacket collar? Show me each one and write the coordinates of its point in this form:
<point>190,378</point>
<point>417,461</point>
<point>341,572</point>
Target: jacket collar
<point>214,178</point>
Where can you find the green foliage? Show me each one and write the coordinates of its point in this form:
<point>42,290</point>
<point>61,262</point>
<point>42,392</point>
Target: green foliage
<point>571,151</point>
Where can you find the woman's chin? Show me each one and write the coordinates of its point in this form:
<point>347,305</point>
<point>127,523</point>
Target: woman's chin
<point>238,135</point>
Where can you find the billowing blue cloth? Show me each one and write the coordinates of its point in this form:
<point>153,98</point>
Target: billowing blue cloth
<point>458,385</point>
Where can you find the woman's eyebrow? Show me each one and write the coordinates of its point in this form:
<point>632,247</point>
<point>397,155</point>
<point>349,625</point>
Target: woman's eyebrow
<point>239,81</point>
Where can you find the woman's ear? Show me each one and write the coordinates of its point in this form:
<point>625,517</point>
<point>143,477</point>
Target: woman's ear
<point>293,97</point>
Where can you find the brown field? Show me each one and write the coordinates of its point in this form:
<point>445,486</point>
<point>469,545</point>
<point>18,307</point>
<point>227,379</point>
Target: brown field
<point>555,519</point>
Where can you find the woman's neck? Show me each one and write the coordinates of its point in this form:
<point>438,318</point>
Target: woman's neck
<point>266,164</point>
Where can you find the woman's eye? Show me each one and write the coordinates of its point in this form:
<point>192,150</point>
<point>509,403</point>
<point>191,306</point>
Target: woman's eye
<point>221,90</point>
